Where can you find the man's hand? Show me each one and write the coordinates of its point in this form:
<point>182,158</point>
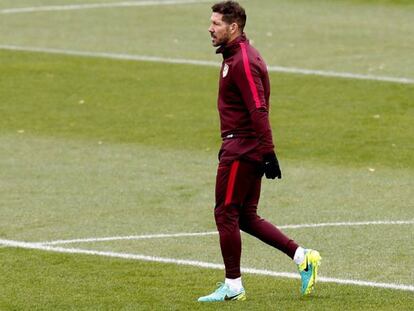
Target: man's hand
<point>271,166</point>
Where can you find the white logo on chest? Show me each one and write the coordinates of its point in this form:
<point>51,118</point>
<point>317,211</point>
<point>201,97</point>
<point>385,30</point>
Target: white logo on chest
<point>225,70</point>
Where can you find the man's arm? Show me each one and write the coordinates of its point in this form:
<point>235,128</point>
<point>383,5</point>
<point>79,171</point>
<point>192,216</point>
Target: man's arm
<point>250,84</point>
<point>248,79</point>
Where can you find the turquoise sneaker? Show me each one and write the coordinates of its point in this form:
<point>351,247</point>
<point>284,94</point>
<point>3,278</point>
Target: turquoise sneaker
<point>223,293</point>
<point>308,270</point>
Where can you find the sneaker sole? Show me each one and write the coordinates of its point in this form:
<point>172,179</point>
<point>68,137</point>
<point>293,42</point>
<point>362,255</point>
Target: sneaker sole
<point>240,297</point>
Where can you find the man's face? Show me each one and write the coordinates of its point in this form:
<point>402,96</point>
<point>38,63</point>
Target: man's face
<point>219,30</point>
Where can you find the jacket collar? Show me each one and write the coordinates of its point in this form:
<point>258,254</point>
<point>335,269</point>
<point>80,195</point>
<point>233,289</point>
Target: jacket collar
<point>232,47</point>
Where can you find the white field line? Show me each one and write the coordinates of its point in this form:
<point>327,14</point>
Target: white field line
<point>129,237</point>
<point>133,57</point>
<point>85,6</point>
<point>194,263</point>
<point>346,75</point>
<point>193,234</point>
<point>349,224</point>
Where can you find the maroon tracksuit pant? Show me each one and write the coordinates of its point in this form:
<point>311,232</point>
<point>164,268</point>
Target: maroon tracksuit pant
<point>237,195</point>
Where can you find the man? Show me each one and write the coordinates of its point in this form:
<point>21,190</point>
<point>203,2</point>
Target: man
<point>246,154</point>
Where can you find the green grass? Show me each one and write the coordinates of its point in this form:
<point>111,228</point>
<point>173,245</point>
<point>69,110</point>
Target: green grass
<point>371,37</point>
<point>5,4</point>
<point>97,147</point>
<point>34,280</point>
<point>110,166</point>
<point>335,121</point>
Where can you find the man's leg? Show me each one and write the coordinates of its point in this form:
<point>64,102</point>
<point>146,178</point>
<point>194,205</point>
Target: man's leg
<point>307,260</point>
<point>253,224</point>
<point>237,195</point>
<point>226,214</point>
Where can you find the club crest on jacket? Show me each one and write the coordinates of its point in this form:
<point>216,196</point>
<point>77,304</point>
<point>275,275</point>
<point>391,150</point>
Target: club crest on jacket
<point>225,70</point>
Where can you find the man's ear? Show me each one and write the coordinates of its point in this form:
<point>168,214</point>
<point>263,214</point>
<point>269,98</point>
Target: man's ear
<point>234,27</point>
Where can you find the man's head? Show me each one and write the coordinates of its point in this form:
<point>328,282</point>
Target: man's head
<point>227,22</point>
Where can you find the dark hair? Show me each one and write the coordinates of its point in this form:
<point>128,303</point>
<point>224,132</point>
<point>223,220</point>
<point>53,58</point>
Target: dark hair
<point>232,13</point>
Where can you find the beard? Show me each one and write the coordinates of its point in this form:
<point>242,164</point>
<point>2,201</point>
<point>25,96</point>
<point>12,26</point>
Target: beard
<point>220,41</point>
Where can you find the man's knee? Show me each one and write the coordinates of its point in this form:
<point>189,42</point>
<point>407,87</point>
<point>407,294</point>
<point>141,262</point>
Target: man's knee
<point>248,220</point>
<point>227,217</point>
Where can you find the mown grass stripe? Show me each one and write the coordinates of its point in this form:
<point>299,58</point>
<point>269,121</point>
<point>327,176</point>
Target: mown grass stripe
<point>194,263</point>
<point>132,57</point>
<point>87,6</point>
<point>193,234</point>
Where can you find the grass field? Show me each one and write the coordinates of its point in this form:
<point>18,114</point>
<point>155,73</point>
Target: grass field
<point>95,147</point>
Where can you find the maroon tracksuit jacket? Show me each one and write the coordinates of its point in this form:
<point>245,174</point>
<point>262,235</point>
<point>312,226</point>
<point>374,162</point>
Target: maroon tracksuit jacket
<point>243,102</point>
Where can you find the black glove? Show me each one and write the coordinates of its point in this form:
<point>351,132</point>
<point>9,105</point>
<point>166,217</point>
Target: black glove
<point>271,166</point>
